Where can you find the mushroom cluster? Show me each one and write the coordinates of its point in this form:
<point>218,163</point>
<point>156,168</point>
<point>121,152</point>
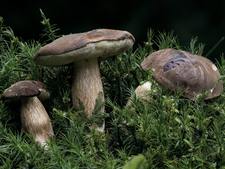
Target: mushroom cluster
<point>173,68</point>
<point>34,118</point>
<point>84,50</point>
<point>181,70</point>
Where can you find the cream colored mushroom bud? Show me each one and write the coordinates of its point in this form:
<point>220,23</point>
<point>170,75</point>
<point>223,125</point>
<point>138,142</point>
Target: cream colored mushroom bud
<point>34,118</point>
<point>141,91</point>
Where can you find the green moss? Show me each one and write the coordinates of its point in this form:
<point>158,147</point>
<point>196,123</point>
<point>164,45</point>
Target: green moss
<point>167,132</point>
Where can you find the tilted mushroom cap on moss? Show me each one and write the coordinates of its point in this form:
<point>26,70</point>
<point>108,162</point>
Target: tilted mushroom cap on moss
<point>178,69</point>
<point>34,118</point>
<point>84,50</point>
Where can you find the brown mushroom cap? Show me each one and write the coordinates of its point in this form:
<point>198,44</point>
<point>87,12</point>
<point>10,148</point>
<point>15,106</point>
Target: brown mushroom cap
<point>27,88</point>
<point>184,70</point>
<point>21,89</point>
<point>93,44</point>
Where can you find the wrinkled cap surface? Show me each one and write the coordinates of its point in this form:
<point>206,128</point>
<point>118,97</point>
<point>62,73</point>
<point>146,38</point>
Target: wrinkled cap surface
<point>183,70</point>
<point>20,90</point>
<point>99,43</point>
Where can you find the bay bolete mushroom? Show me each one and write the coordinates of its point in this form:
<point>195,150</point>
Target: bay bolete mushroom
<point>178,69</point>
<point>34,118</point>
<point>84,50</point>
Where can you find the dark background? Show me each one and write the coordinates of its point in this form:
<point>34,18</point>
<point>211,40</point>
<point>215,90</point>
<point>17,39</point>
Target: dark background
<point>202,18</point>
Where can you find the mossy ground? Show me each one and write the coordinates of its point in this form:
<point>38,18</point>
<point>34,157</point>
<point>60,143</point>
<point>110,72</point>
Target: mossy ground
<point>169,131</point>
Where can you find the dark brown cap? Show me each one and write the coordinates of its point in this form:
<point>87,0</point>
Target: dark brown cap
<point>183,70</point>
<point>93,44</point>
<point>20,90</point>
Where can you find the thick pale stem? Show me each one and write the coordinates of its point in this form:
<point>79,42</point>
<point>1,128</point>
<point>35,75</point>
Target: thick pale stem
<point>35,119</point>
<point>87,84</point>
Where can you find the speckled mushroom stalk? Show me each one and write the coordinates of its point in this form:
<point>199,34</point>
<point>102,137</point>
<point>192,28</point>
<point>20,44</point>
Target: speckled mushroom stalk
<point>84,50</point>
<point>34,118</point>
<point>87,84</point>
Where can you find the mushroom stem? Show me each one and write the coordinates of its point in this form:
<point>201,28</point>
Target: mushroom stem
<point>35,119</point>
<point>87,84</point>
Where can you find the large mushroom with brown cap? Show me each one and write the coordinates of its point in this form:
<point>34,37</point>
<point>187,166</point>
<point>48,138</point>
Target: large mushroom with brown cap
<point>34,118</point>
<point>84,50</point>
<point>183,70</point>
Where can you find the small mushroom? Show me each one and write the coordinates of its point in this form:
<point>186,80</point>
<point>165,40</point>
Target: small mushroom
<point>178,69</point>
<point>34,118</point>
<point>141,92</point>
<point>84,50</point>
<point>45,95</point>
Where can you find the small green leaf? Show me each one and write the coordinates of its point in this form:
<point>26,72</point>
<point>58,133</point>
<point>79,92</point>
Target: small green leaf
<point>135,163</point>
